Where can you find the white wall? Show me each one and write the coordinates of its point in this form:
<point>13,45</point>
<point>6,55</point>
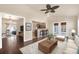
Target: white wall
<point>27,34</point>
<point>78,25</point>
<point>71,23</point>
<point>3,26</point>
<point>0,32</point>
<point>19,23</point>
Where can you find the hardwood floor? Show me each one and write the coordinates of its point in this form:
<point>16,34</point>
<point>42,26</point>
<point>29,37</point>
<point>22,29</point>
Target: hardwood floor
<point>32,41</point>
<point>11,45</point>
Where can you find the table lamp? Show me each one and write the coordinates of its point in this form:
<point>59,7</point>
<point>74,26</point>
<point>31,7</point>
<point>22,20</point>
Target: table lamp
<point>73,32</point>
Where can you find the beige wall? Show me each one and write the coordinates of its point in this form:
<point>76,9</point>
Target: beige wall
<point>71,22</point>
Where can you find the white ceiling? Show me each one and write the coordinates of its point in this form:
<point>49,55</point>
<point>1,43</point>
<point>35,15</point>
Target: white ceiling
<point>33,10</point>
<point>67,9</point>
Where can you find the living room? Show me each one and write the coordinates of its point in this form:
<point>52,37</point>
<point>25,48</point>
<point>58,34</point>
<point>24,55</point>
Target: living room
<point>60,24</point>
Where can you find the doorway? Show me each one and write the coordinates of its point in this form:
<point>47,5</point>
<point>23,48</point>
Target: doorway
<point>13,35</point>
<point>11,29</point>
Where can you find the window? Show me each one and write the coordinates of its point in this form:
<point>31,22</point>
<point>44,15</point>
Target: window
<point>63,27</point>
<point>55,28</point>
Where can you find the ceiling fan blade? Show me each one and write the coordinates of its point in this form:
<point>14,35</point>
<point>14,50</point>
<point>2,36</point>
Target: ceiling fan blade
<point>52,11</point>
<point>48,6</point>
<point>43,9</point>
<point>46,12</point>
<point>55,7</point>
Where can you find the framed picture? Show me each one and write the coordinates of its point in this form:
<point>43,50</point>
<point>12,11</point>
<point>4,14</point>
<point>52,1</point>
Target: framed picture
<point>28,26</point>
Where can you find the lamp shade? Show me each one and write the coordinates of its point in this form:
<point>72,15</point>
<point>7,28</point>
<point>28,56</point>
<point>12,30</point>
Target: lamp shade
<point>73,31</point>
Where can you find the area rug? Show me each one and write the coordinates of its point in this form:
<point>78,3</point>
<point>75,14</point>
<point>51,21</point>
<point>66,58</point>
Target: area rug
<point>62,48</point>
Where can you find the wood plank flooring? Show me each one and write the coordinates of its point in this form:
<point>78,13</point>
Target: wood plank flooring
<point>12,45</point>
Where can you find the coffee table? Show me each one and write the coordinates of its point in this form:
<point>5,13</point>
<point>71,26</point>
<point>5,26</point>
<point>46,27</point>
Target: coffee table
<point>47,46</point>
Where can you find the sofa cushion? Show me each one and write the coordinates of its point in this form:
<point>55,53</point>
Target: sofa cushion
<point>60,37</point>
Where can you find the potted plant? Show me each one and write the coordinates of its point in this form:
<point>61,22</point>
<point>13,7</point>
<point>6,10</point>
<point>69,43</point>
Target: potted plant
<point>50,36</point>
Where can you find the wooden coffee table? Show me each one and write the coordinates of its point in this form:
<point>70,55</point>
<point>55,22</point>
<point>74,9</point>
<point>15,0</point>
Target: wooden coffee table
<point>47,46</point>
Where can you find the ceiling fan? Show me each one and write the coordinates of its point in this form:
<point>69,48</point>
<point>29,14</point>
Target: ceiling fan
<point>49,9</point>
